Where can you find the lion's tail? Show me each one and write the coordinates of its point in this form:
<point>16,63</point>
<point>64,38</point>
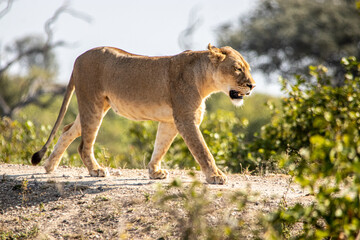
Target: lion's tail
<point>36,158</point>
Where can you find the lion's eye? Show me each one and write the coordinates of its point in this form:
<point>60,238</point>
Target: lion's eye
<point>239,69</point>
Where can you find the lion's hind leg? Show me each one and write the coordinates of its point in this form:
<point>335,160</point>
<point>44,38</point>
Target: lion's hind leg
<point>164,137</point>
<point>70,133</point>
<point>91,117</point>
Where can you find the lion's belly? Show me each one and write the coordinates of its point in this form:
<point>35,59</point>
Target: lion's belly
<point>156,112</point>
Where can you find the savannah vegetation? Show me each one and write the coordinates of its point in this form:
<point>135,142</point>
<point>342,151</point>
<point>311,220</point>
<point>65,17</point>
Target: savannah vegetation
<point>311,132</point>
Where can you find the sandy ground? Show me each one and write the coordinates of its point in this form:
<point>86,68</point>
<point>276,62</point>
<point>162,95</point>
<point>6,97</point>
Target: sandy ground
<point>69,204</point>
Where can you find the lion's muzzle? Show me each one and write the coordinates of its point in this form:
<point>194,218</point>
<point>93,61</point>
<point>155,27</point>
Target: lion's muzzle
<point>235,94</point>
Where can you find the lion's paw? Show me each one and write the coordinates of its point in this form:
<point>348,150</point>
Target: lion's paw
<point>50,165</point>
<point>219,178</point>
<point>100,172</point>
<point>159,174</point>
<point>49,169</point>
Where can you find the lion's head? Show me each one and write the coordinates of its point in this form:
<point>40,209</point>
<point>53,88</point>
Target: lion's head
<point>232,73</point>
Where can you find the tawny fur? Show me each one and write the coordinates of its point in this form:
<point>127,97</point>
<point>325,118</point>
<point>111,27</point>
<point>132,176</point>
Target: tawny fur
<point>171,90</point>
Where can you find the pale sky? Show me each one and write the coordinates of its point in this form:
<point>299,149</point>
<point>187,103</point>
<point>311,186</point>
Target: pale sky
<point>139,26</point>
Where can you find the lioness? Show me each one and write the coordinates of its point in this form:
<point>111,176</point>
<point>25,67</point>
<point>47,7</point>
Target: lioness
<point>171,90</point>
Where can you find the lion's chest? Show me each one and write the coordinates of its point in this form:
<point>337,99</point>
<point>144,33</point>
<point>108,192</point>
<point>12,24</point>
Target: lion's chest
<point>142,111</point>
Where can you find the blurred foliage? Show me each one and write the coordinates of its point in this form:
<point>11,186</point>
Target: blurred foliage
<point>287,36</point>
<point>33,52</point>
<point>19,139</point>
<point>197,208</point>
<point>28,65</point>
<point>317,138</point>
<point>32,67</point>
<point>256,118</point>
<point>15,88</point>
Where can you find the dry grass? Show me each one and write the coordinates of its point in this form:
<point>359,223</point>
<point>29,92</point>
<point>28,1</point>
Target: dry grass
<point>70,205</point>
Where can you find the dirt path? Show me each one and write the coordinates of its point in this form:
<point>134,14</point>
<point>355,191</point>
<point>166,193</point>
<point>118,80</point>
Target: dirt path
<point>69,204</point>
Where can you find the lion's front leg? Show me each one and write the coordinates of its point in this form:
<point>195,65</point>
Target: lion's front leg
<point>197,146</point>
<point>164,137</point>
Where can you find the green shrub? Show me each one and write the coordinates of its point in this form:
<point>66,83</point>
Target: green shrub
<point>20,139</point>
<point>254,109</point>
<point>318,139</point>
<point>225,135</point>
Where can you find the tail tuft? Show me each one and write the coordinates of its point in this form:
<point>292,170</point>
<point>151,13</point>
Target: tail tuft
<point>36,158</point>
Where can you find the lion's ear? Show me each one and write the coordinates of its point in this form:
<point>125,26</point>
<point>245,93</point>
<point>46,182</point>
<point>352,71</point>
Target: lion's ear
<point>215,55</point>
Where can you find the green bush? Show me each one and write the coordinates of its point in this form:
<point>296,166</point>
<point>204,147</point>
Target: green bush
<point>225,135</point>
<point>317,137</point>
<point>254,109</point>
<point>20,139</point>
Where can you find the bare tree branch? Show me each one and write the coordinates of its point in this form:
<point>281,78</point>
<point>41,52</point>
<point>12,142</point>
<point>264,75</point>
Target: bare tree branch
<point>4,106</point>
<point>185,37</point>
<point>31,51</point>
<point>4,11</point>
<point>53,89</point>
<point>61,10</point>
<point>36,88</point>
<point>49,33</point>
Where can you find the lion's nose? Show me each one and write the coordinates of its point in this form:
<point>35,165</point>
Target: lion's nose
<point>251,86</point>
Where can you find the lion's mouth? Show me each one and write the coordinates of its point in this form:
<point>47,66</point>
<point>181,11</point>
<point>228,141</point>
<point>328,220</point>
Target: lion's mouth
<point>235,94</point>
